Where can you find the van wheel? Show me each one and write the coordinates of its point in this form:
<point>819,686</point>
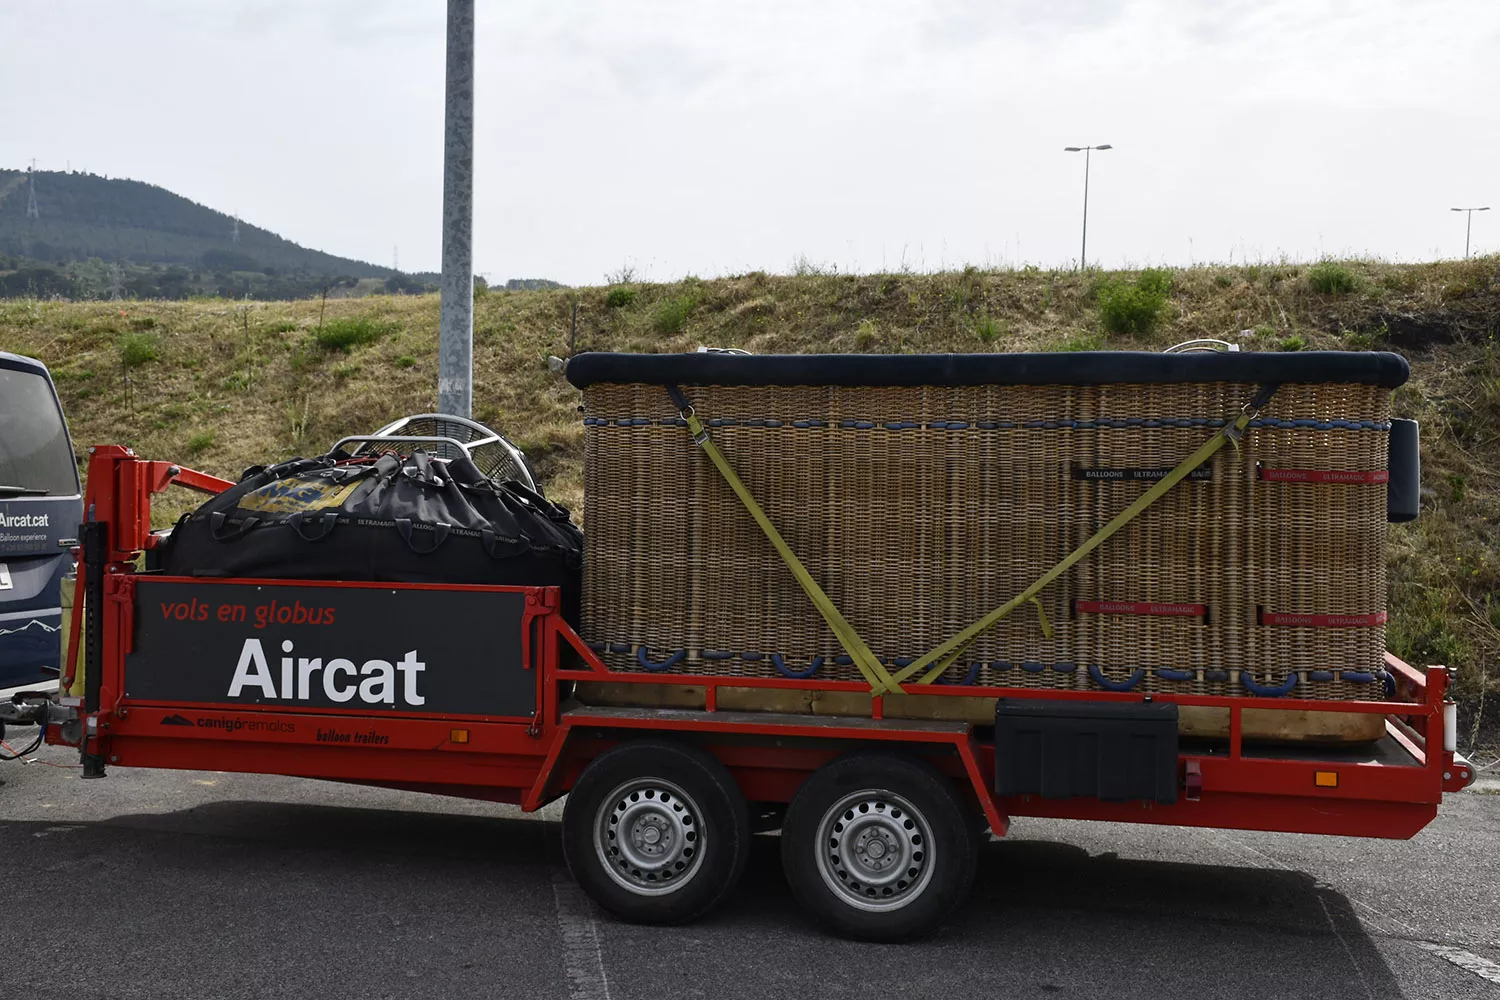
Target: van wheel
<point>878,847</point>
<point>656,832</point>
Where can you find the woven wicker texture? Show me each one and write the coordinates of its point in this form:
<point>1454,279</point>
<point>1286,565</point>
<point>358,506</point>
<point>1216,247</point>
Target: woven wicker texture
<point>921,509</point>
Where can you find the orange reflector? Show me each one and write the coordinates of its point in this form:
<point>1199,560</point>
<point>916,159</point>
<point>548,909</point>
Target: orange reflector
<point>1326,779</point>
<point>462,736</point>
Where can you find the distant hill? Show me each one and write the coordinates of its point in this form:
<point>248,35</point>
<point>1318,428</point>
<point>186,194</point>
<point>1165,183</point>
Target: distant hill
<point>97,237</point>
<point>84,215</point>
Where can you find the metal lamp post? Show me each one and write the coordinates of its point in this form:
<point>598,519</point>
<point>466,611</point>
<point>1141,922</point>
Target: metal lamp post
<point>1083,253</point>
<point>1469,224</point>
<point>456,319</point>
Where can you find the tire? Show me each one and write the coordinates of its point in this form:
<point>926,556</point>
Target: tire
<point>879,847</point>
<point>689,832</point>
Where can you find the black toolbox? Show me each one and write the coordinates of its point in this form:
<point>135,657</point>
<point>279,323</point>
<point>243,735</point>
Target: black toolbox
<point>1107,750</point>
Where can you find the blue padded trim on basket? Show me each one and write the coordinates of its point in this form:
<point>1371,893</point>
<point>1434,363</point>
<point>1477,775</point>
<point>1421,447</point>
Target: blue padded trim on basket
<point>780,664</point>
<point>1268,691</point>
<point>1109,685</point>
<point>967,680</point>
<point>644,659</point>
<point>1063,368</point>
<point>988,425</point>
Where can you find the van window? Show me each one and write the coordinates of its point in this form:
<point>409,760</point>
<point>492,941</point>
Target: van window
<point>36,458</point>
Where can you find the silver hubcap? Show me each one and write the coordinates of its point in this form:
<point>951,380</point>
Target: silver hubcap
<point>875,850</point>
<point>650,837</point>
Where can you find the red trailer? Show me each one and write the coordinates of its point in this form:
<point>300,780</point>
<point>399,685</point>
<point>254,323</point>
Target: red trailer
<point>466,690</point>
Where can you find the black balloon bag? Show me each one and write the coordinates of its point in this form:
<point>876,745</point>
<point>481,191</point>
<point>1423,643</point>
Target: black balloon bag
<point>411,520</point>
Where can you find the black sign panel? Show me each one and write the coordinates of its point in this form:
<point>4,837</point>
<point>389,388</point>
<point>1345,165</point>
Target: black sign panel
<point>388,649</point>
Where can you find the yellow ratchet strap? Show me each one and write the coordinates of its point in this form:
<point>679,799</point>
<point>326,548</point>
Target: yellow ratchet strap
<point>868,663</point>
<point>943,656</point>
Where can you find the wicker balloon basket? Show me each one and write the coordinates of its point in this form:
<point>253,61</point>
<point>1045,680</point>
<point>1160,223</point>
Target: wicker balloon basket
<point>923,492</point>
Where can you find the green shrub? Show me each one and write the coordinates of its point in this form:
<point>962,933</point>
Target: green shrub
<point>143,323</point>
<point>1156,280</point>
<point>1135,308</point>
<point>671,314</point>
<point>867,335</point>
<point>1331,278</point>
<point>202,441</point>
<point>1295,342</point>
<point>619,297</point>
<point>136,349</point>
<point>1367,340</point>
<point>342,334</point>
<point>1079,341</point>
<point>406,361</point>
<point>987,329</point>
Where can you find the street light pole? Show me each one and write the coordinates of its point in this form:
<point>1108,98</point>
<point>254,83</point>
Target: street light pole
<point>1083,252</point>
<point>1469,224</point>
<point>456,308</point>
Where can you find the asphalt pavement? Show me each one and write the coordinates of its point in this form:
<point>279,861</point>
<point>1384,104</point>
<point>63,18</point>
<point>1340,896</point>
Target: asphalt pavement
<point>203,885</point>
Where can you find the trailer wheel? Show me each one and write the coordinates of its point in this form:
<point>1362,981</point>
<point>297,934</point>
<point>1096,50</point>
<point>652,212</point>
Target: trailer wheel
<point>656,832</point>
<point>878,847</point>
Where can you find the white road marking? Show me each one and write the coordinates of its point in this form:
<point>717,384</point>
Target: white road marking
<point>583,958</point>
<point>1466,960</point>
<point>1359,904</point>
<point>1347,950</point>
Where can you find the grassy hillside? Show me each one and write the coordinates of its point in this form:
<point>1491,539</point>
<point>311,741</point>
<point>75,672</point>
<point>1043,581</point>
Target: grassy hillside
<point>223,385</point>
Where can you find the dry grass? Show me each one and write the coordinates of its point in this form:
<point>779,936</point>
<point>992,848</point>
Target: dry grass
<point>238,384</point>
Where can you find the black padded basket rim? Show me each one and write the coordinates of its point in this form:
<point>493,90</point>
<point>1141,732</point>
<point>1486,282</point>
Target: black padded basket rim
<point>1379,368</point>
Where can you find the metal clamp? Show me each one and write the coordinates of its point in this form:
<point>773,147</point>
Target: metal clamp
<point>499,459</point>
<point>1209,345</point>
<point>398,439</point>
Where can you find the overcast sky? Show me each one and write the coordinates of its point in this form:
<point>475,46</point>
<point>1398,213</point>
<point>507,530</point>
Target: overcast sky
<point>710,138</point>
